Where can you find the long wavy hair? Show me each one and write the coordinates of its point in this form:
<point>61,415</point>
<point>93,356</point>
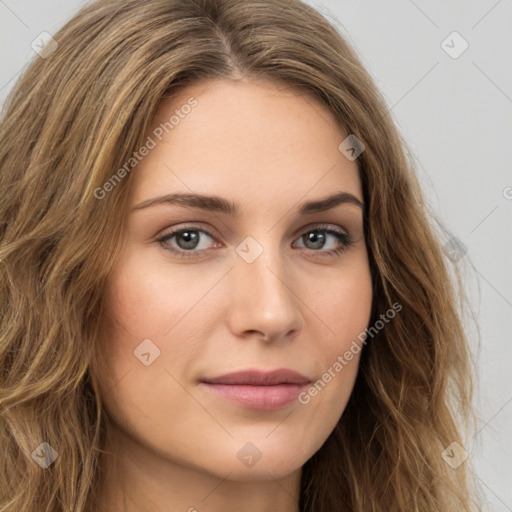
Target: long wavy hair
<point>74,117</point>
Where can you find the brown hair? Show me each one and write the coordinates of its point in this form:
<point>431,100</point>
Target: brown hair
<point>76,116</point>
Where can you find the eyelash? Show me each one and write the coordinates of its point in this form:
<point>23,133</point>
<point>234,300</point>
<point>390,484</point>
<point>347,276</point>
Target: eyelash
<point>344,238</point>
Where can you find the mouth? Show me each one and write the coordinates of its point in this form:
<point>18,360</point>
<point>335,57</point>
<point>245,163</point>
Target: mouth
<point>255,389</point>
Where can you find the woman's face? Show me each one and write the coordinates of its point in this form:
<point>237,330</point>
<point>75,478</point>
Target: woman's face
<point>259,286</point>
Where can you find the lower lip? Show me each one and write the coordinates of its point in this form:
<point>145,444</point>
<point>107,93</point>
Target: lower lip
<point>266,398</point>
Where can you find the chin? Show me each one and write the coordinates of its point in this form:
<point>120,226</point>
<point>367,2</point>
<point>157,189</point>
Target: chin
<point>244,464</point>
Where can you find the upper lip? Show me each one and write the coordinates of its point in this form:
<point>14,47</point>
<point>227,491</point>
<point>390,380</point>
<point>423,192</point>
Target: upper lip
<point>259,378</point>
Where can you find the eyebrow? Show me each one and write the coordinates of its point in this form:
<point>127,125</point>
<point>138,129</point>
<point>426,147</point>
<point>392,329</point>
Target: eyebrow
<point>221,205</point>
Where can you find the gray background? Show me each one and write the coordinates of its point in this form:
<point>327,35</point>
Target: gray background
<point>456,114</point>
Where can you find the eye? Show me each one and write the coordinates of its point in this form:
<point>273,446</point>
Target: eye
<point>318,237</point>
<point>189,241</point>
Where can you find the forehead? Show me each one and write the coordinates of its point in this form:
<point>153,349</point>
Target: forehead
<point>258,142</point>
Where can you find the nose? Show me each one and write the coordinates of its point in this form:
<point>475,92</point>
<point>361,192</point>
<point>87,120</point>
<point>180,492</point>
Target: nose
<point>263,302</point>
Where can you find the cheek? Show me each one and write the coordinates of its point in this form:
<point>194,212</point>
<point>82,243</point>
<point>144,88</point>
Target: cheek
<point>148,299</point>
<point>345,307</point>
<point>346,311</point>
<point>144,301</point>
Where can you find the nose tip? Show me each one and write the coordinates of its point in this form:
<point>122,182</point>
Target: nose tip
<point>262,304</point>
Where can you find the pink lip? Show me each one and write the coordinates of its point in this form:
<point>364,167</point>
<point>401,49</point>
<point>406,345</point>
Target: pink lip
<point>256,389</point>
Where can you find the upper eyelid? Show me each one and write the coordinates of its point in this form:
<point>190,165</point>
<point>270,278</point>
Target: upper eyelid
<point>185,227</point>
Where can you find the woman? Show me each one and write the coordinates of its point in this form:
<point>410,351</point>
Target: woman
<point>220,287</point>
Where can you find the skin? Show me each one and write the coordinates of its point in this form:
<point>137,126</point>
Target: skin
<point>269,148</point>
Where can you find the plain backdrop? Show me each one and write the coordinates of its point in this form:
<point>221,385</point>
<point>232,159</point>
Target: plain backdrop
<point>451,97</point>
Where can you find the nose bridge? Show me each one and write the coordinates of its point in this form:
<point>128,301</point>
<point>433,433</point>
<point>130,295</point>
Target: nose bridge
<point>263,299</point>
